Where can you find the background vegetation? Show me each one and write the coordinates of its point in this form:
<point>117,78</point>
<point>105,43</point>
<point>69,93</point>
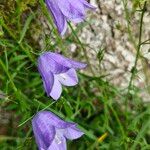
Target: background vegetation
<point>112,118</point>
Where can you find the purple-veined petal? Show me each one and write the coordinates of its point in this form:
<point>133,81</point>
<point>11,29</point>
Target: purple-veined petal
<point>78,6</point>
<point>59,18</point>
<point>72,133</point>
<point>47,76</point>
<point>72,9</point>
<point>43,131</point>
<point>87,5</point>
<point>48,82</point>
<point>48,61</point>
<point>38,138</point>
<point>60,59</point>
<point>54,120</point>
<point>76,64</point>
<point>68,78</point>
<point>68,63</point>
<point>59,143</point>
<point>56,89</point>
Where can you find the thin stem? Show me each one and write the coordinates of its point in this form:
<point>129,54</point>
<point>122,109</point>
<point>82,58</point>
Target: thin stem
<point>118,121</point>
<point>20,44</point>
<point>138,48</point>
<point>7,73</point>
<point>136,59</point>
<point>84,50</point>
<point>128,22</point>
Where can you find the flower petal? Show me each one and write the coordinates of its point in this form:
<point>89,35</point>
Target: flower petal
<point>72,133</point>
<point>66,62</point>
<point>60,59</point>
<point>76,64</point>
<point>68,78</point>
<point>48,61</point>
<point>56,90</point>
<point>43,131</point>
<point>59,18</point>
<point>47,76</point>
<point>38,138</point>
<point>72,9</point>
<point>54,120</point>
<point>58,144</point>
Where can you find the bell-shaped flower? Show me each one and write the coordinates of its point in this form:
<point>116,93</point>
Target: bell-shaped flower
<point>57,70</point>
<point>51,132</point>
<point>67,10</point>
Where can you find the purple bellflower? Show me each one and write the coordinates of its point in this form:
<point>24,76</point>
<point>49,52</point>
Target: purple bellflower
<point>57,70</point>
<point>51,132</point>
<point>67,10</point>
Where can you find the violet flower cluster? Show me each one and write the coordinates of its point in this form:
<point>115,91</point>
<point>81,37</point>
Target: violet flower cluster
<point>50,131</point>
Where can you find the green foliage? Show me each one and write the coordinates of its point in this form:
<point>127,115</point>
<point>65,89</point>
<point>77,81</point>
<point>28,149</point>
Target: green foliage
<point>137,3</point>
<point>96,105</point>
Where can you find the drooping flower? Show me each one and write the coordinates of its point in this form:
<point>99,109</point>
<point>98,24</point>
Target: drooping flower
<point>51,132</point>
<point>57,70</point>
<point>67,10</point>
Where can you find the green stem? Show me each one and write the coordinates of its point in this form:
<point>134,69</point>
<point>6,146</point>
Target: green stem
<point>141,134</point>
<point>20,44</point>
<point>136,60</point>
<point>84,50</point>
<point>7,73</point>
<point>128,22</point>
<point>138,48</point>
